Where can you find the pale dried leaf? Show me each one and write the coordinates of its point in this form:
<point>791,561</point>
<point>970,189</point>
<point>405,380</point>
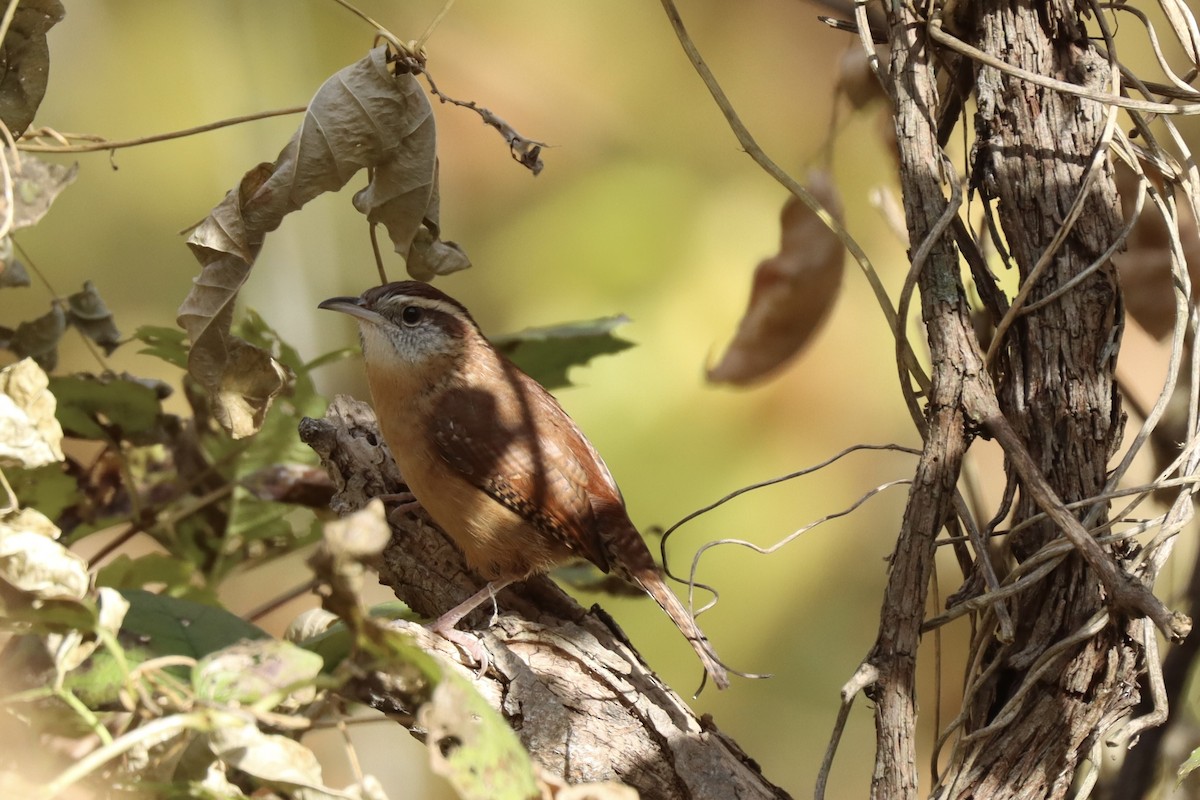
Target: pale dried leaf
<point>37,565</point>
<point>310,623</point>
<point>359,536</point>
<point>268,757</point>
<point>792,293</point>
<point>250,380</point>
<point>71,649</point>
<point>30,435</point>
<point>603,790</point>
<point>363,116</point>
<point>30,520</point>
<point>25,62</point>
<point>246,672</point>
<point>403,195</point>
<point>472,746</point>
<point>35,184</point>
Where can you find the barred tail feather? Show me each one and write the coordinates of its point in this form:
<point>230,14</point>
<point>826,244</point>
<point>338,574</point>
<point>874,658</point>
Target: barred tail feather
<point>654,585</point>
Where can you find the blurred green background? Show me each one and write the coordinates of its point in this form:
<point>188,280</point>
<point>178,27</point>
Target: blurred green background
<point>646,207</point>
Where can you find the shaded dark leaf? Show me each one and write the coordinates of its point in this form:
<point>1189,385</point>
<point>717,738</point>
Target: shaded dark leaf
<point>12,271</point>
<point>38,339</point>
<point>156,626</point>
<point>297,484</point>
<point>93,407</point>
<point>87,312</point>
<point>172,626</point>
<point>25,62</point>
<point>548,353</point>
<point>48,489</point>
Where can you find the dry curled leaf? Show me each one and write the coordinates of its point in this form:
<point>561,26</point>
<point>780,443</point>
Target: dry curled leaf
<point>38,338</point>
<point>25,62</point>
<point>1145,266</point>
<point>35,185</point>
<point>34,564</point>
<point>30,435</point>
<point>363,116</point>
<point>792,293</point>
<point>87,311</point>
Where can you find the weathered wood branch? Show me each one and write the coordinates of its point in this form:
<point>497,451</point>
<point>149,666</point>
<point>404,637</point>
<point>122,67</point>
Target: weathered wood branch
<point>583,702</point>
<point>1035,707</point>
<point>955,360</point>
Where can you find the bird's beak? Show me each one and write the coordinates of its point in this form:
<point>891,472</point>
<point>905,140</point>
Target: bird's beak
<point>355,307</point>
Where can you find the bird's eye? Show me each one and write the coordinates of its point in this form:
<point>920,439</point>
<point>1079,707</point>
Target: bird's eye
<point>411,315</point>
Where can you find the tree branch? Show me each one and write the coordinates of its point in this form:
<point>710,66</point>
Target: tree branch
<point>581,699</point>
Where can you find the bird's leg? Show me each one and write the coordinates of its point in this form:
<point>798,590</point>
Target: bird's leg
<point>444,625</point>
<point>405,502</point>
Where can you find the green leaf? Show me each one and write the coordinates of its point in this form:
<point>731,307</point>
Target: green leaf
<point>155,626</point>
<point>124,572</point>
<point>172,626</point>
<point>168,344</point>
<point>1188,767</point>
<point>472,746</point>
<point>547,354</point>
<point>89,407</point>
<point>48,489</point>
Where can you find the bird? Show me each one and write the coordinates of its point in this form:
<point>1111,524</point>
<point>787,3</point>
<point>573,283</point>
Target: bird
<point>493,458</point>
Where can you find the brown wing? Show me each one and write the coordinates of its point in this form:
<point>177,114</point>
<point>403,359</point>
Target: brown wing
<point>532,459</point>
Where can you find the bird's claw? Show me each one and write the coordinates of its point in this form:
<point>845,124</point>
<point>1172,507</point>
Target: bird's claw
<point>471,646</point>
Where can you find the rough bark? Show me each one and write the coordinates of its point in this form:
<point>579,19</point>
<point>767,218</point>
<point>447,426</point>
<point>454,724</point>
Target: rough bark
<point>1056,390</point>
<point>1056,414</point>
<point>956,362</point>
<point>583,702</point>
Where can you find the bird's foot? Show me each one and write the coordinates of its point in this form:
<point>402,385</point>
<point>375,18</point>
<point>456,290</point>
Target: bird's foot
<point>470,645</point>
<point>405,502</point>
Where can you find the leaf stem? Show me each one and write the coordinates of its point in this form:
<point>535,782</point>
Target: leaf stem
<point>97,143</point>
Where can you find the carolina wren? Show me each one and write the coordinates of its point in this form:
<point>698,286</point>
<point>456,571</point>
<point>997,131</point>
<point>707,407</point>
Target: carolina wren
<point>492,457</point>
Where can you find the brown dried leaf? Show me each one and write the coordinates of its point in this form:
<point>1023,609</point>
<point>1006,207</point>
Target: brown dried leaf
<point>1145,266</point>
<point>403,195</point>
<point>792,293</point>
<point>252,379</point>
<point>364,116</point>
<point>856,80</point>
<point>25,62</point>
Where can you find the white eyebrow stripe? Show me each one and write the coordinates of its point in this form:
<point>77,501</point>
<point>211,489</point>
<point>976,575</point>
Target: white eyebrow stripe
<point>425,302</point>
